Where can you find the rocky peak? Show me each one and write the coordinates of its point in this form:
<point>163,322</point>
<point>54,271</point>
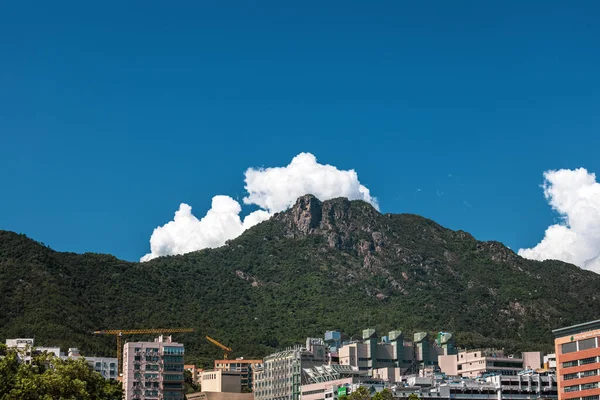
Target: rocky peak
<point>306,214</point>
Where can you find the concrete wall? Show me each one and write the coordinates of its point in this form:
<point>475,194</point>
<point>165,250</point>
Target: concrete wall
<point>532,359</point>
<point>221,381</point>
<point>448,364</point>
<point>388,374</point>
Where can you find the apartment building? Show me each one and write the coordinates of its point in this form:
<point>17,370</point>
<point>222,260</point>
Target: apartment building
<point>24,346</point>
<point>282,373</point>
<point>474,363</point>
<point>153,370</point>
<point>105,366</point>
<point>577,363</point>
<point>246,369</point>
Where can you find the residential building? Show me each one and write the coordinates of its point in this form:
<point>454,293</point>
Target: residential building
<point>281,376</point>
<point>24,347</point>
<point>479,362</point>
<point>55,351</point>
<point>108,367</point>
<point>153,370</point>
<point>105,366</point>
<point>244,367</point>
<point>577,364</point>
<point>221,381</point>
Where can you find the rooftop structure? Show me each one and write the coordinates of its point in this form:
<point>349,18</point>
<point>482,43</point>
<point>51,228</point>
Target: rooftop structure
<point>244,367</point>
<point>221,381</point>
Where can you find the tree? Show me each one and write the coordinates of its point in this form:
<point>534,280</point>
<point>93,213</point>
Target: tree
<point>51,378</point>
<point>362,393</point>
<point>385,394</point>
<point>413,396</point>
<point>189,384</point>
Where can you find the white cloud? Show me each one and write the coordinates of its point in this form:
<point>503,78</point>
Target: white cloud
<point>187,233</point>
<point>272,189</point>
<point>276,189</point>
<point>575,195</point>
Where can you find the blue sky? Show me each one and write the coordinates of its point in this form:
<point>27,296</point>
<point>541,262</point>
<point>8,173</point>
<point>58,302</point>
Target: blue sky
<point>112,114</point>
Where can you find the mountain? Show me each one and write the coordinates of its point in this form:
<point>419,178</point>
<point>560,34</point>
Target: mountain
<point>336,264</point>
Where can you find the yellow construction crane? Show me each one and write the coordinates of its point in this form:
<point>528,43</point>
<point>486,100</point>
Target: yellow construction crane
<point>120,332</point>
<point>226,350</point>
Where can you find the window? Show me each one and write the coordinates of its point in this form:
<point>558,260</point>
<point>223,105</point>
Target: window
<point>568,377</point>
<point>173,350</point>
<point>573,388</point>
<point>570,364</point>
<point>569,347</point>
<point>592,372</point>
<point>586,361</point>
<point>596,397</point>
<point>587,386</point>
<point>587,344</point>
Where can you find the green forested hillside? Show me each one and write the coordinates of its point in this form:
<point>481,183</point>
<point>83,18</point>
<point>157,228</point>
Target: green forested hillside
<point>318,266</point>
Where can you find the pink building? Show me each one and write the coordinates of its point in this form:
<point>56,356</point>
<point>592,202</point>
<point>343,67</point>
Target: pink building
<point>153,370</point>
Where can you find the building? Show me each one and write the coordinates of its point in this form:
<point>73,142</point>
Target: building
<point>476,363</point>
<point>327,381</point>
<point>24,348</point>
<point>195,371</point>
<point>393,351</point>
<point>514,387</point>
<point>244,367</point>
<point>105,366</point>
<point>550,361</point>
<point>221,381</point>
<point>153,370</point>
<point>281,376</point>
<point>219,396</point>
<point>577,366</point>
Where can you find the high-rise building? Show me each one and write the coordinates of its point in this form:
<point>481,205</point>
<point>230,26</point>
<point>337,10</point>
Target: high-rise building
<point>282,373</point>
<point>244,367</point>
<point>577,363</point>
<point>153,370</point>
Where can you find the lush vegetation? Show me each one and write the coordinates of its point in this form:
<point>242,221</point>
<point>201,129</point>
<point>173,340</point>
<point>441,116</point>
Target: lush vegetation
<point>362,393</point>
<point>336,265</point>
<point>51,378</point>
